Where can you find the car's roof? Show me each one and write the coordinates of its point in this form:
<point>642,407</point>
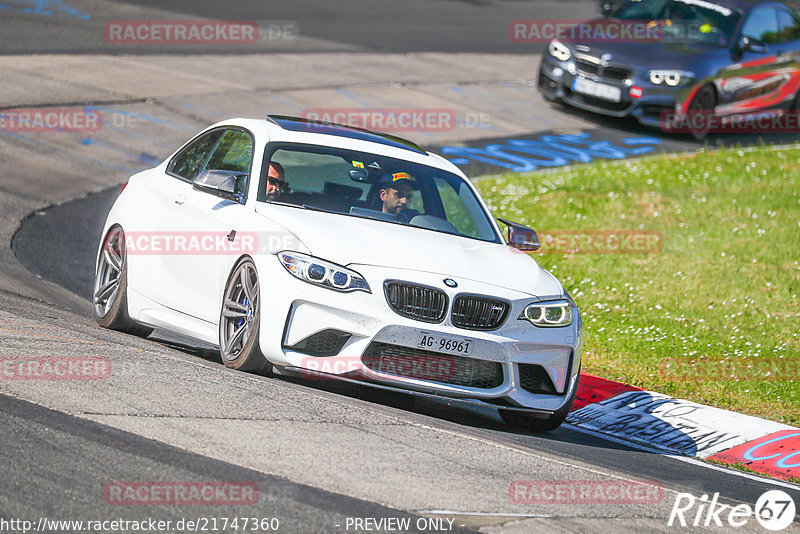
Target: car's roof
<point>298,124</point>
<point>281,128</point>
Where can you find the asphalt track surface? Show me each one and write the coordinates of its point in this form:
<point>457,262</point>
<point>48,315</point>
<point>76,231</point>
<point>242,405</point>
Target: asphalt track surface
<point>62,444</point>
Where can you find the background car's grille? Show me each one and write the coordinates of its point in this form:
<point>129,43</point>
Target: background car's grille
<point>432,366</point>
<point>417,302</point>
<point>534,379</point>
<point>615,73</point>
<point>586,66</point>
<point>479,313</point>
<point>594,68</point>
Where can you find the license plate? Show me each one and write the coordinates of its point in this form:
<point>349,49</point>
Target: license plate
<point>450,345</point>
<point>600,90</point>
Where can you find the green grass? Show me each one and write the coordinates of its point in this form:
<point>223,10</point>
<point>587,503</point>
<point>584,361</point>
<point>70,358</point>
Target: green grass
<point>717,309</point>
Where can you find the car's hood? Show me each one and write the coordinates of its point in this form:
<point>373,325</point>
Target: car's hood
<point>648,55</point>
<point>352,241</point>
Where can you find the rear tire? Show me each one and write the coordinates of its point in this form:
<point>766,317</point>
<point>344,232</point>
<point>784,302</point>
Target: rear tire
<point>111,286</point>
<point>240,321</point>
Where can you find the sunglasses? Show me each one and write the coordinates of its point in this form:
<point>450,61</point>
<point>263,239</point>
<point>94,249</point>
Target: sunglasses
<point>280,184</point>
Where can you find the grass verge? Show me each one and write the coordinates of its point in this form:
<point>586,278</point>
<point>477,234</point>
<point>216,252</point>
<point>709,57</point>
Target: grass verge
<point>711,312</point>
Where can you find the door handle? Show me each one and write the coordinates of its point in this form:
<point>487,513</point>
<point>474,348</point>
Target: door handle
<point>180,199</point>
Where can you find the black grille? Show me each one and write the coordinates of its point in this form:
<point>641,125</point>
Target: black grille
<point>432,366</point>
<point>324,343</point>
<point>534,379</point>
<point>586,66</point>
<point>479,313</point>
<point>616,73</point>
<point>417,302</point>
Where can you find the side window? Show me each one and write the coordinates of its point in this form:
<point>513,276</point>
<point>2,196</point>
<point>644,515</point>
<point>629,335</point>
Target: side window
<point>454,208</point>
<point>789,26</point>
<point>234,152</point>
<point>762,24</point>
<point>192,159</point>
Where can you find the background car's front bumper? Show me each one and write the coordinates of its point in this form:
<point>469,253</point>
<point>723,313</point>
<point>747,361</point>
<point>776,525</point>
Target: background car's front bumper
<point>556,79</point>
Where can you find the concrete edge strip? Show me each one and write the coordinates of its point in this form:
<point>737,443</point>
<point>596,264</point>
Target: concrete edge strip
<point>681,427</point>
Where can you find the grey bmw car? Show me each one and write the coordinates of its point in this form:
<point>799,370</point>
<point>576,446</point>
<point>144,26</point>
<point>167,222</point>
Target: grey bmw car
<point>674,59</point>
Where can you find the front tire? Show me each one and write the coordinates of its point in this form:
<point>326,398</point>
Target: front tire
<point>700,112</point>
<point>111,286</point>
<point>240,321</point>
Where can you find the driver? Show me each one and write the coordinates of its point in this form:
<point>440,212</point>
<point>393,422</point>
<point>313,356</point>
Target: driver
<point>396,190</point>
<point>275,183</point>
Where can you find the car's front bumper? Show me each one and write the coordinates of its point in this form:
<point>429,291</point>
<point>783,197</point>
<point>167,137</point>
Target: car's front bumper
<point>652,108</point>
<point>517,365</point>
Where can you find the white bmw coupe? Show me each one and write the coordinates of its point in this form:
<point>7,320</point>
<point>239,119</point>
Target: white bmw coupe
<point>318,249</point>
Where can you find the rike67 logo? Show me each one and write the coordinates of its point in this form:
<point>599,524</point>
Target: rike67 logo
<point>774,510</point>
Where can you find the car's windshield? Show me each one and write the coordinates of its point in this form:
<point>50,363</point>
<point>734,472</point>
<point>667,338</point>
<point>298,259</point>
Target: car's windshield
<point>684,20</point>
<point>374,187</point>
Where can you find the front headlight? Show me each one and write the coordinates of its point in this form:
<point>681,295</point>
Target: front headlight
<point>673,78</point>
<point>322,273</point>
<point>559,50</point>
<point>548,314</point>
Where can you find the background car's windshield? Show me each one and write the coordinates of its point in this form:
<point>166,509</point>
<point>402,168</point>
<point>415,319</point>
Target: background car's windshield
<point>693,20</point>
<point>350,183</point>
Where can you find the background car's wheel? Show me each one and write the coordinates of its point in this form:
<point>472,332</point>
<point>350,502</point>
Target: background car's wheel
<point>528,422</point>
<point>111,284</point>
<point>700,111</point>
<point>240,320</point>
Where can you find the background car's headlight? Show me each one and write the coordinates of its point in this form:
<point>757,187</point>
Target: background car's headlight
<point>559,50</point>
<point>673,78</point>
<point>548,314</point>
<point>323,273</point>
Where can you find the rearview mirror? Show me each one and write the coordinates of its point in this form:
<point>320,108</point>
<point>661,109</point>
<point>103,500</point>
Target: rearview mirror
<point>359,175</point>
<point>225,184</point>
<point>521,237</point>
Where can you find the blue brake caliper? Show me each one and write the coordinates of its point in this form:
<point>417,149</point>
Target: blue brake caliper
<point>244,303</point>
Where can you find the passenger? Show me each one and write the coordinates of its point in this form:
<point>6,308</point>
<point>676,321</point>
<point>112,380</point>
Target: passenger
<point>275,182</point>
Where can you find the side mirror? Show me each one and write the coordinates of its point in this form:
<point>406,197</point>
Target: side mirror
<point>521,237</point>
<point>752,44</point>
<point>225,184</point>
